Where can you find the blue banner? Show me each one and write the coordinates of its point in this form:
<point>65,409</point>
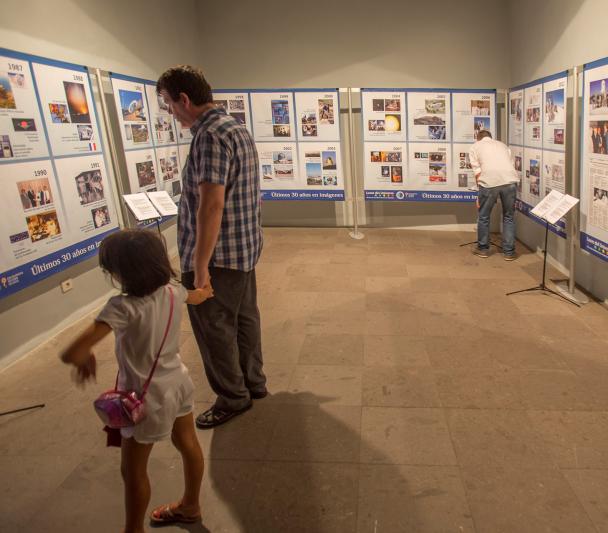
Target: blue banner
<point>422,196</point>
<point>20,277</point>
<point>331,196</point>
<point>594,246</point>
<point>525,209</point>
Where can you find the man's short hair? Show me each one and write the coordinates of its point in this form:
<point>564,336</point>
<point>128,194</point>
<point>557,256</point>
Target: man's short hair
<point>483,134</point>
<point>188,80</point>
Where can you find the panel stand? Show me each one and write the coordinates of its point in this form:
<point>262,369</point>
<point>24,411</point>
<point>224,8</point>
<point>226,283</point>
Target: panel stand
<point>543,286</point>
<point>355,233</point>
<point>13,411</point>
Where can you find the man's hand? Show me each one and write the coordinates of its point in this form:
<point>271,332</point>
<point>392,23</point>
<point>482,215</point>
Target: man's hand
<point>202,279</point>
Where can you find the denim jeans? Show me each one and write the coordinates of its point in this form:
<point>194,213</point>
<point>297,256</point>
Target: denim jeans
<point>487,198</point>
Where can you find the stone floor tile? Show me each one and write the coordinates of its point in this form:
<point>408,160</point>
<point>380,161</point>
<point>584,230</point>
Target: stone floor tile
<point>332,350</point>
<point>395,350</point>
<point>399,386</point>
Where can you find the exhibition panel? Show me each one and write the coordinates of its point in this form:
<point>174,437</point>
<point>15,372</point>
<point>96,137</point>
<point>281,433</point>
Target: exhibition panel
<point>594,160</point>
<point>58,202</point>
<point>416,142</point>
<point>537,138</point>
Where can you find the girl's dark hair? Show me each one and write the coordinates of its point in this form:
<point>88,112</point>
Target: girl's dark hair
<point>137,259</point>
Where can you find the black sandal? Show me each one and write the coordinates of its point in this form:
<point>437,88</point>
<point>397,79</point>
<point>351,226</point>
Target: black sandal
<point>216,417</point>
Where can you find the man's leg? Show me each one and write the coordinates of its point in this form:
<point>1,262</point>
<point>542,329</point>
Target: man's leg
<point>507,198</point>
<point>249,338</point>
<point>214,323</point>
<point>487,199</point>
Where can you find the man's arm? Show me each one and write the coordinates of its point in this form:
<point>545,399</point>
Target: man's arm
<point>208,223</point>
<point>474,160</point>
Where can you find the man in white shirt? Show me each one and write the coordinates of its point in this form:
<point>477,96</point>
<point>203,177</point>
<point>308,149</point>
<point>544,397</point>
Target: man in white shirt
<point>495,174</point>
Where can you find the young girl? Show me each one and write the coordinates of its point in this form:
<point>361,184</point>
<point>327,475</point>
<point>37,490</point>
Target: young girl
<point>137,260</point>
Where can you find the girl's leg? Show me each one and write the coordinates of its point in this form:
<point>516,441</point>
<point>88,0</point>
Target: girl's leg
<point>184,439</point>
<point>134,470</point>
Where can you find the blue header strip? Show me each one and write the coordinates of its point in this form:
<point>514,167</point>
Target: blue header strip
<point>435,90</point>
<point>594,246</point>
<point>133,79</point>
<point>563,74</point>
<point>334,195</point>
<point>420,196</point>
<point>595,64</point>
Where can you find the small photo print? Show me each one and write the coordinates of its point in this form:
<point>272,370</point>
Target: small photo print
<point>128,132</point>
<point>145,173</point>
<point>267,172</point>
<point>517,163</point>
<point>392,105</point>
<point>43,225</point>
<point>391,157</point>
<point>536,132</point>
<point>376,157</point>
<point>281,131</point>
<point>437,133</point>
<point>140,133</point>
<point>437,173</point>
<point>239,117</point>
<point>429,120</point>
<point>132,105</point>
<point>282,158</point>
<point>598,133</point>
<point>385,171</point>
<point>375,125</point>
<point>77,102</point>
<point>534,186</point>
<point>101,216</point>
<point>24,124</point>
<point>236,105</point>
<point>515,108</point>
<point>392,123</point>
<point>600,195</point>
<point>309,130</point>
<point>480,108</point>
<point>162,104</point>
<point>554,106</point>
<point>162,123</point>
<point>558,136</point>
<point>6,149</point>
<point>17,80</point>
<point>397,174</point>
<point>329,160</point>
<point>284,171</point>
<point>7,98</point>
<point>534,168</point>
<point>598,98</point>
<point>90,186</point>
<point>533,114</point>
<point>437,157</point>
<point>280,112</point>
<point>309,118</point>
<point>59,113</point>
<point>313,172</point>
<point>85,132</point>
<point>435,106</point>
<point>168,167</point>
<point>330,180</point>
<point>378,104</point>
<point>34,193</point>
<point>176,188</point>
<point>464,163</point>
<point>221,104</point>
<point>326,111</point>
<point>463,180</point>
<point>480,124</point>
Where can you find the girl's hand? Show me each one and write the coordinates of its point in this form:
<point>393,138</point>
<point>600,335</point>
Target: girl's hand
<point>198,296</point>
<point>86,372</point>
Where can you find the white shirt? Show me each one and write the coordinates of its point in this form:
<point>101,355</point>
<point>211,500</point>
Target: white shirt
<point>493,161</point>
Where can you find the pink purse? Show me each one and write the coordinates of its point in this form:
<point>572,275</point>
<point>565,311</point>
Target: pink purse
<point>120,409</point>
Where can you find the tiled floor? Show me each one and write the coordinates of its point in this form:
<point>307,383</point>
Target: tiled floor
<point>409,394</point>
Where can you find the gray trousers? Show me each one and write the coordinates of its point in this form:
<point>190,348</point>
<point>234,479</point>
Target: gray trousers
<point>227,330</point>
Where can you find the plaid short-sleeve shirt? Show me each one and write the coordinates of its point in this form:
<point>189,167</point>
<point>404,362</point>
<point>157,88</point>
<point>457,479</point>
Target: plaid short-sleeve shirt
<point>222,152</point>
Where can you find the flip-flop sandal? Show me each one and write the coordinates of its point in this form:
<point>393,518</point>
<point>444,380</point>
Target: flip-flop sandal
<point>214,417</point>
<point>165,515</point>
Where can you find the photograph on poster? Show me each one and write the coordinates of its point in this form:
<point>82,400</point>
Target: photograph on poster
<point>162,124</point>
<point>480,124</point>
<point>326,111</point>
<point>533,114</point>
<point>556,172</point>
<point>35,193</point>
<point>598,99</point>
<point>396,174</point>
<point>437,132</point>
<point>464,161</point>
<point>435,106</point>
<point>390,157</point>
<point>7,98</point>
<point>239,117</point>
<point>282,158</point>
<point>6,150</point>
<point>221,104</point>
<point>429,120</point>
<point>59,113</point>
<point>599,136</point>
<point>534,168</point>
<point>375,156</point>
<point>24,124</point>
<point>437,157</point>
<point>375,125</point>
<point>128,132</point>
<point>437,172</point>
<point>463,180</point>
<point>330,180</point>
<point>140,133</point>
<point>285,171</point>
<point>517,163</point>
<point>85,132</point>
<point>309,118</point>
<point>281,131</point>
<point>558,136</point>
<point>43,225</point>
<point>280,112</point>
<point>161,103</point>
<point>516,108</point>
<point>145,173</point>
<point>77,102</point>
<point>90,186</point>
<point>385,171</point>
<point>267,172</point>
<point>314,175</point>
<point>17,80</point>
<point>480,107</point>
<point>329,160</point>
<point>168,168</point>
<point>132,105</point>
<point>554,106</point>
<point>392,104</point>
<point>378,104</point>
<point>176,187</point>
<point>236,105</point>
<point>101,216</point>
<point>309,130</point>
<point>536,132</point>
<point>392,122</point>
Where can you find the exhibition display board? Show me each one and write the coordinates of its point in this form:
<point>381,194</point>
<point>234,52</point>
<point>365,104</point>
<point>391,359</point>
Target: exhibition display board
<point>594,160</point>
<point>537,138</point>
<point>297,133</point>
<point>417,141</point>
<point>58,202</point>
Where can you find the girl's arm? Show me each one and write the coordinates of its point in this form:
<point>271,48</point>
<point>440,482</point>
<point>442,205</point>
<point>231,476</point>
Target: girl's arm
<point>198,296</point>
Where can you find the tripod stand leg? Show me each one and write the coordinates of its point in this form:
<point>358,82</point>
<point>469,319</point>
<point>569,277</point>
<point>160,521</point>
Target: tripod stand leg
<point>537,288</point>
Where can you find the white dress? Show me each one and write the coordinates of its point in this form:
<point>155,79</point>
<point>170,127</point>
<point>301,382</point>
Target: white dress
<point>139,325</point>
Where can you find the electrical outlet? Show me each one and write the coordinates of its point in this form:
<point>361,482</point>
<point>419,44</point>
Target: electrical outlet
<point>67,285</point>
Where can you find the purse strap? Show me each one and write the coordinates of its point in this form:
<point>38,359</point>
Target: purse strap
<point>147,383</point>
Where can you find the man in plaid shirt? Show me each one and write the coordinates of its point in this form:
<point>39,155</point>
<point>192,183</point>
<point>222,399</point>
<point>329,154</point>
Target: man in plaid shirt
<point>220,240</point>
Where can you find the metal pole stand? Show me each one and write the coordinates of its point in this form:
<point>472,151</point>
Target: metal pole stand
<point>543,286</point>
<point>13,411</point>
<point>355,233</point>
